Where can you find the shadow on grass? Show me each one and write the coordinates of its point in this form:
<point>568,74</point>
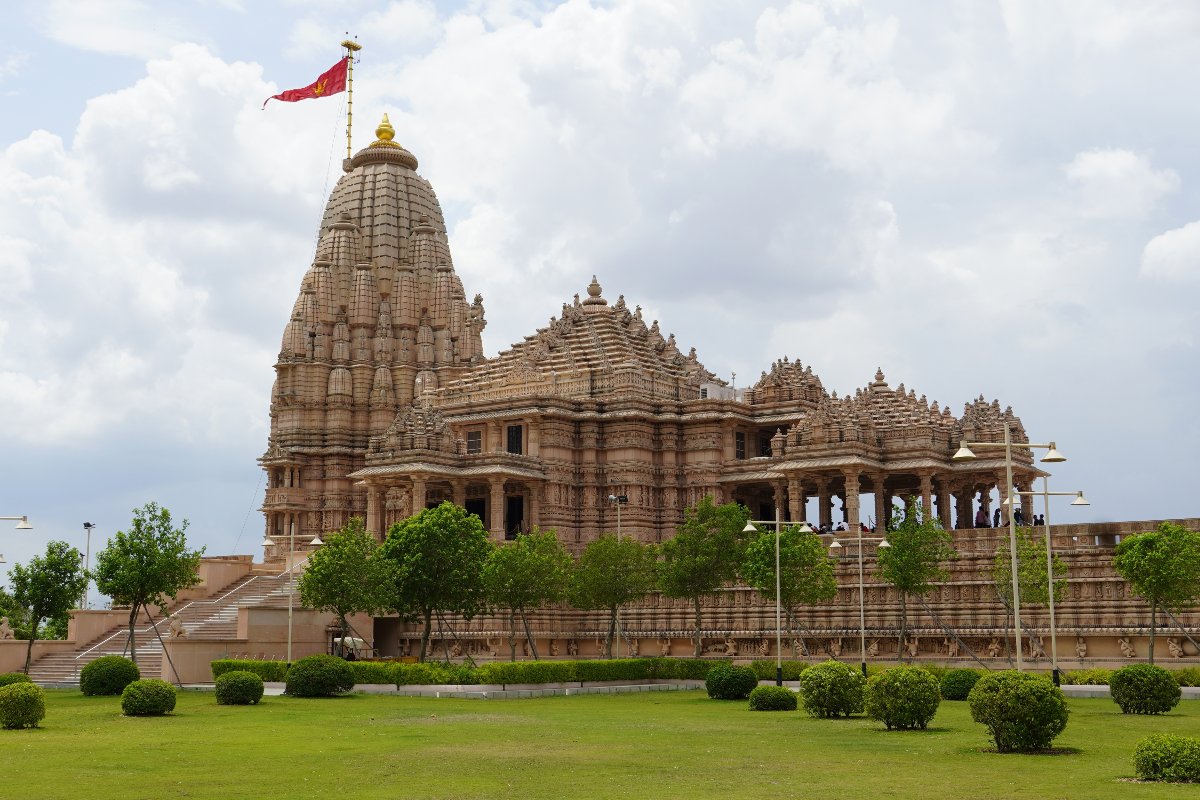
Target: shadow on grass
<point>930,729</point>
<point>1053,751</point>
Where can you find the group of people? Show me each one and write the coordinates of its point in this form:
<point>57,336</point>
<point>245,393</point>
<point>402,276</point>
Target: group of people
<point>981,520</point>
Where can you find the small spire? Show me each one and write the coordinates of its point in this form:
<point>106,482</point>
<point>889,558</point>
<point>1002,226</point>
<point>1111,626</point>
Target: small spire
<point>386,133</point>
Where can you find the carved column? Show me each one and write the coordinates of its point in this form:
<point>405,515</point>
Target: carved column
<point>943,504</point>
<point>1003,489</point>
<point>926,495</point>
<point>796,500</point>
<point>985,501</point>
<point>374,522</point>
<point>458,493</point>
<point>496,508</point>
<point>418,495</point>
<point>853,517</point>
<point>882,515</point>
<point>1026,503</point>
<point>535,505</point>
<point>824,507</point>
<point>780,497</point>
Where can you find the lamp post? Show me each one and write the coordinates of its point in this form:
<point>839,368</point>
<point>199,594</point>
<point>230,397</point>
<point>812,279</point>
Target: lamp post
<point>618,500</point>
<point>22,524</point>
<point>87,561</point>
<point>291,580</point>
<point>1052,456</point>
<point>862,607</point>
<point>804,527</point>
<point>1078,501</point>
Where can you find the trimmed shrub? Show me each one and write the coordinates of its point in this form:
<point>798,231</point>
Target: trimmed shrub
<point>615,669</point>
<point>903,698</point>
<point>832,689</point>
<point>1087,677</point>
<point>772,698</point>
<point>1022,712</point>
<point>727,682</point>
<point>148,697</point>
<point>373,671</point>
<point>527,672</point>
<point>1188,676</point>
<point>239,688</point>
<point>419,674</point>
<point>22,705</point>
<point>684,669</point>
<point>319,676</point>
<point>1144,689</point>
<point>958,683</point>
<point>1163,757</point>
<point>765,669</point>
<point>107,675</point>
<point>275,671</point>
<point>9,678</point>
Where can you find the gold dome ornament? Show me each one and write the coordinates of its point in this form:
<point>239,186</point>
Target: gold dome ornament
<point>386,133</point>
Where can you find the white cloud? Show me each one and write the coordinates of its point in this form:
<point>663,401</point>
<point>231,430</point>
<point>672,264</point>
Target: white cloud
<point>114,27</point>
<point>1118,183</point>
<point>1174,256</point>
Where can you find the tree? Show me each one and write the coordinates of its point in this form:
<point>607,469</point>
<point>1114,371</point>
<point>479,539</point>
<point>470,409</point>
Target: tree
<point>913,562</point>
<point>1163,566</point>
<point>704,554</point>
<point>610,573</point>
<point>47,588</point>
<point>147,565</point>
<point>1032,580</point>
<point>439,556</point>
<point>524,574</point>
<point>347,575</point>
<point>806,573</point>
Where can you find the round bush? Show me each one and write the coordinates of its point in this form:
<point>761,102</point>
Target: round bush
<point>727,682</point>
<point>1022,712</point>
<point>903,698</point>
<point>772,698</point>
<point>1163,757</point>
<point>22,705</point>
<point>958,683</point>
<point>9,678</point>
<point>107,675</point>
<point>148,698</point>
<point>832,689</point>
<point>239,688</point>
<point>1144,689</point>
<point>319,676</point>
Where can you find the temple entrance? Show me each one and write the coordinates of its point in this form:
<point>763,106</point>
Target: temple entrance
<point>514,516</point>
<point>478,507</point>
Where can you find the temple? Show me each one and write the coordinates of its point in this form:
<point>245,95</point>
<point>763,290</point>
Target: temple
<point>384,404</point>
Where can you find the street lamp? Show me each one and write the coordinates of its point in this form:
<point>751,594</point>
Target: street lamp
<point>1078,501</point>
<point>87,562</point>
<point>266,542</point>
<point>804,527</point>
<point>862,608</point>
<point>23,524</point>
<point>1052,456</point>
<point>618,500</point>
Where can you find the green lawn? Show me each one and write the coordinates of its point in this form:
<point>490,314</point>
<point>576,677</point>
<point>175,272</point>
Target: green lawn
<point>657,745</point>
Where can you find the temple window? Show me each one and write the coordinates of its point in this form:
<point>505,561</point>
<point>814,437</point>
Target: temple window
<point>474,442</point>
<point>739,445</point>
<point>516,439</point>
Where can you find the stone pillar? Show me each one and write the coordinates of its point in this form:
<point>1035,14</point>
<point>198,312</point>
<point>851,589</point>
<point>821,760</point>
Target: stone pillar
<point>535,505</point>
<point>496,508</point>
<point>882,512</point>
<point>943,504</point>
<point>985,501</point>
<point>824,509</point>
<point>374,520</point>
<point>1003,489</point>
<point>1026,504</point>
<point>853,516</point>
<point>458,493</point>
<point>926,495</point>
<point>963,511</point>
<point>796,500</point>
<point>418,495</point>
<point>780,498</point>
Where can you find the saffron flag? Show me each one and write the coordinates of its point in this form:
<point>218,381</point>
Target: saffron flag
<point>331,81</point>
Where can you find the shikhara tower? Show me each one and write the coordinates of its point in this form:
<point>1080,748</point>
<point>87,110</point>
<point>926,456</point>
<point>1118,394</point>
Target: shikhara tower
<point>384,404</point>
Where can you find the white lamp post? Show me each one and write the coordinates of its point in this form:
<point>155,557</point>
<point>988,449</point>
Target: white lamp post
<point>87,561</point>
<point>1052,456</point>
<point>618,500</point>
<point>1078,501</point>
<point>291,580</point>
<point>862,608</point>
<point>804,527</point>
<point>22,524</point>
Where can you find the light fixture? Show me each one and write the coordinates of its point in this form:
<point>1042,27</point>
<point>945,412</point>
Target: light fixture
<point>748,529</point>
<point>2,561</point>
<point>317,541</point>
<point>24,525</point>
<point>1053,456</point>
<point>1080,500</point>
<point>805,527</point>
<point>835,545</point>
<point>885,543</point>
<point>964,454</point>
<point>266,542</point>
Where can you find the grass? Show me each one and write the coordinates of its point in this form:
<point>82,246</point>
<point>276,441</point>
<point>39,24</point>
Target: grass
<point>655,745</point>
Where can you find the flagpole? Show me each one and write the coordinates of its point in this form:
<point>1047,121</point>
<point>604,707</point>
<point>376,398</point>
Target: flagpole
<point>352,47</point>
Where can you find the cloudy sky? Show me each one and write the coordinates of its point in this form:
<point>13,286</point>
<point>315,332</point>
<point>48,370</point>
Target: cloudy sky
<point>980,198</point>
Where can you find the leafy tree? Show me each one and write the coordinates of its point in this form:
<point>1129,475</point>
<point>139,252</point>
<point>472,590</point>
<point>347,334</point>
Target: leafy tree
<point>14,613</point>
<point>913,562</point>
<point>147,565</point>
<point>1032,580</point>
<point>439,556</point>
<point>704,554</point>
<point>806,574</point>
<point>47,588</point>
<point>524,574</point>
<point>610,573</point>
<point>1163,566</point>
<point>347,575</point>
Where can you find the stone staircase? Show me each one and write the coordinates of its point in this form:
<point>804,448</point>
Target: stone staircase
<point>212,618</point>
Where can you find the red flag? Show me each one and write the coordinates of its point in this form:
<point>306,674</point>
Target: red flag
<point>331,81</point>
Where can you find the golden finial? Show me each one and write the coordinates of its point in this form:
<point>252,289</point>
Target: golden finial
<point>386,133</point>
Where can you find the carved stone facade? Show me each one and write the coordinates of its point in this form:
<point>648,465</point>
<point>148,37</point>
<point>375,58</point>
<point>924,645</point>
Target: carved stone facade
<point>384,404</point>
